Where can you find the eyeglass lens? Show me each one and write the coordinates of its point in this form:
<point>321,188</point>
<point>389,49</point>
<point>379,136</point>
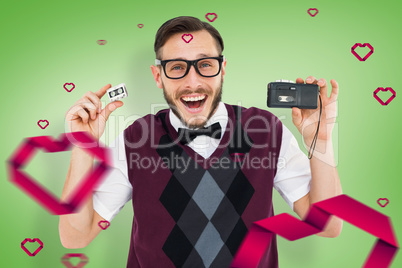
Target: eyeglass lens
<point>207,67</point>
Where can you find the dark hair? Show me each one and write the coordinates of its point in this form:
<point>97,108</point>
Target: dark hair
<point>184,24</point>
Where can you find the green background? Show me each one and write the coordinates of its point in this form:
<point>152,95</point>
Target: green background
<point>45,44</point>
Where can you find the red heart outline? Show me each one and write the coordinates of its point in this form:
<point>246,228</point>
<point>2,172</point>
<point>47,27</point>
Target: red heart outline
<point>100,225</point>
<point>40,194</point>
<point>32,241</point>
<point>261,233</point>
<point>182,37</point>
<point>362,45</point>
<point>208,14</point>
<point>100,42</point>
<point>384,90</point>
<point>67,84</point>
<point>66,260</point>
<point>237,157</point>
<point>140,25</point>
<point>308,11</point>
<point>379,202</point>
<point>40,121</point>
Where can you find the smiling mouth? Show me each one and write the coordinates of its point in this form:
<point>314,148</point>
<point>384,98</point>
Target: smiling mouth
<point>194,103</point>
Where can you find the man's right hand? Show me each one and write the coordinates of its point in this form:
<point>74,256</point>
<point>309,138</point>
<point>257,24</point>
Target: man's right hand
<point>87,113</point>
<point>78,229</point>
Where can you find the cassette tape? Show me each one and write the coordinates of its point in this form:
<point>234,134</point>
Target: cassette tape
<point>117,92</point>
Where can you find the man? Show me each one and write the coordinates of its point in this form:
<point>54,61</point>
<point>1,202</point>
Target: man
<point>194,203</point>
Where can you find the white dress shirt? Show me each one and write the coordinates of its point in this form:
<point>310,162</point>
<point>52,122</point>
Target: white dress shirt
<point>292,179</point>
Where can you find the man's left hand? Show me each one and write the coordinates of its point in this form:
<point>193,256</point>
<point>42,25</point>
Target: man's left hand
<point>306,120</point>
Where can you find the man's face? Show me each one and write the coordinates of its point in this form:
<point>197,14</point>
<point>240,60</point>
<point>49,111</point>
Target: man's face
<point>193,98</point>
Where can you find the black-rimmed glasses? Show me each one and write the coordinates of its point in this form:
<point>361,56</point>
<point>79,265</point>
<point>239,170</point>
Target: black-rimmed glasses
<point>206,67</point>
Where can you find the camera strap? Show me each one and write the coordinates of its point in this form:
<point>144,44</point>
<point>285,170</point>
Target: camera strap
<point>313,143</point>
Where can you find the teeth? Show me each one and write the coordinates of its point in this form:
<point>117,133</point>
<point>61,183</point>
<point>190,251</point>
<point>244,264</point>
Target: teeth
<point>198,98</point>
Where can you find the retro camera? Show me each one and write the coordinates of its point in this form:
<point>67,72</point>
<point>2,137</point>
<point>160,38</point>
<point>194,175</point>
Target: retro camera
<point>288,95</point>
<point>117,92</point>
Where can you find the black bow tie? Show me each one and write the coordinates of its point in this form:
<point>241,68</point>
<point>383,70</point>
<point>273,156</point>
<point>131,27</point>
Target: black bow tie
<point>187,135</point>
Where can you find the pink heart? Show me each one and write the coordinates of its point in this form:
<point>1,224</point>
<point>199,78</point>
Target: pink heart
<point>385,90</point>
<point>107,224</point>
<point>262,232</point>
<point>32,241</point>
<point>101,42</point>
<point>191,37</point>
<point>380,202</point>
<point>68,84</point>
<point>310,9</point>
<point>40,194</point>
<point>66,260</point>
<point>211,14</point>
<point>40,124</point>
<point>237,157</point>
<point>140,25</point>
<point>362,45</point>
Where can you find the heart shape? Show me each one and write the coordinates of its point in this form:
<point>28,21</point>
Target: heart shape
<point>66,260</point>
<point>107,224</point>
<point>237,157</point>
<point>32,241</point>
<point>45,198</point>
<point>261,233</point>
<point>41,125</point>
<point>310,9</point>
<point>100,42</point>
<point>383,202</point>
<point>68,84</point>
<point>385,90</point>
<point>140,25</point>
<point>184,35</point>
<point>362,45</point>
<point>211,14</point>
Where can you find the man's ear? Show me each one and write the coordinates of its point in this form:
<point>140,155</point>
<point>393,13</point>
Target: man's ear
<point>156,72</point>
<point>223,69</point>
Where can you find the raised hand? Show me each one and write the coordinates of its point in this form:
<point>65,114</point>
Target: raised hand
<point>87,113</point>
<point>306,120</point>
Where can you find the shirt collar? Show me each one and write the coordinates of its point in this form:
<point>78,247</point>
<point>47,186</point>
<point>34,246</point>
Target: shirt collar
<point>221,116</point>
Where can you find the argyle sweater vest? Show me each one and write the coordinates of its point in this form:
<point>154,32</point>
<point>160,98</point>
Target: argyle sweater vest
<point>194,212</point>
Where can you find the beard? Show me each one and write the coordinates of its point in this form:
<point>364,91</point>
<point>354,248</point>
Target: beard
<point>215,102</point>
